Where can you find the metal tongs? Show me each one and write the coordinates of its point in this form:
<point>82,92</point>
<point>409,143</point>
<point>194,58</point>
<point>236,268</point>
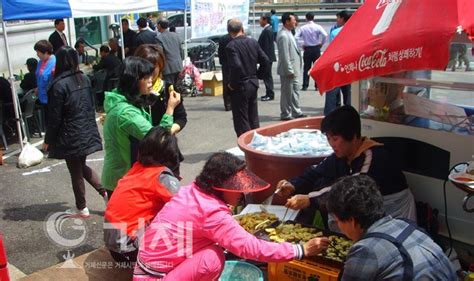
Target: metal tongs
<point>267,202</point>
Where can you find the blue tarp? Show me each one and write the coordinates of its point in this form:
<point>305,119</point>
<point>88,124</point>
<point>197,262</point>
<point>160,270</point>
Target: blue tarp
<point>53,9</point>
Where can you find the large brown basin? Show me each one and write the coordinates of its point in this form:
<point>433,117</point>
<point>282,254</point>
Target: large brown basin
<point>273,167</point>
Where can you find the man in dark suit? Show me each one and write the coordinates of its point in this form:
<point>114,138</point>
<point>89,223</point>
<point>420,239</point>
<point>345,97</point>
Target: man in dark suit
<point>111,64</point>
<point>171,44</point>
<point>115,48</point>
<point>266,43</point>
<point>223,41</point>
<point>144,36</point>
<point>58,38</point>
<point>80,47</point>
<point>243,54</point>
<point>149,19</point>
<point>128,37</point>
<point>108,61</point>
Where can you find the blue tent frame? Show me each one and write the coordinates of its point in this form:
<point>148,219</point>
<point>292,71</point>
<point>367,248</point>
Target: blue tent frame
<point>53,9</point>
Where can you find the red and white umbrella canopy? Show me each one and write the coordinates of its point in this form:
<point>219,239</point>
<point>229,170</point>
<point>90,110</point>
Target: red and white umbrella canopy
<point>389,36</point>
<point>466,16</point>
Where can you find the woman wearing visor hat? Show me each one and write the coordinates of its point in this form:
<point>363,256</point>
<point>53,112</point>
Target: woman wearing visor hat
<point>185,241</point>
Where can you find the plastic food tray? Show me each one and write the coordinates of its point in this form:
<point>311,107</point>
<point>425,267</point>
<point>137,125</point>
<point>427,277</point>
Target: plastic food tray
<point>278,210</point>
<point>262,234</point>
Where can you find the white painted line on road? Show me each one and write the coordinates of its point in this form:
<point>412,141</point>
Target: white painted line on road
<point>95,160</point>
<point>47,169</point>
<point>43,170</point>
<point>15,152</point>
<point>14,272</point>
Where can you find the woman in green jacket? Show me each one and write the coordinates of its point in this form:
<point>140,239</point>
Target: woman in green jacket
<point>127,122</point>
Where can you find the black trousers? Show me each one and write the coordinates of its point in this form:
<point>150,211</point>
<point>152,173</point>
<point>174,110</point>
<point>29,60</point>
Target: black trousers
<point>268,81</point>
<point>244,109</point>
<point>310,55</point>
<point>226,90</point>
<point>346,95</point>
<point>79,171</point>
<point>43,107</point>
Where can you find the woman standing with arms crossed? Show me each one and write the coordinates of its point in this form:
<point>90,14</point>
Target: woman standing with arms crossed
<point>72,132</point>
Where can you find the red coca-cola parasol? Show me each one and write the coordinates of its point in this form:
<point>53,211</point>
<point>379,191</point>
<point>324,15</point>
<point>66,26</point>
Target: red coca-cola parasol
<point>389,36</point>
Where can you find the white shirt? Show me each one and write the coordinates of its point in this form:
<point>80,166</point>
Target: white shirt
<point>63,36</point>
<point>312,34</point>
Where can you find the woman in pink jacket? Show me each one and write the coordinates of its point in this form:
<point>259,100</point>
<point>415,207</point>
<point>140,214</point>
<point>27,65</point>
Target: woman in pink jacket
<point>185,240</point>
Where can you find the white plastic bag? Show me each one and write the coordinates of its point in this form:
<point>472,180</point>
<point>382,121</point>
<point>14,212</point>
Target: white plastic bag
<point>29,156</point>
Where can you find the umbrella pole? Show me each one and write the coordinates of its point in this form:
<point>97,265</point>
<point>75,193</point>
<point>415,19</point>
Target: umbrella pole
<point>121,37</point>
<point>19,120</point>
<point>185,29</point>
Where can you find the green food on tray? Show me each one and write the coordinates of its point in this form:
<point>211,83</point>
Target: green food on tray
<point>338,248</point>
<point>255,221</point>
<point>295,233</point>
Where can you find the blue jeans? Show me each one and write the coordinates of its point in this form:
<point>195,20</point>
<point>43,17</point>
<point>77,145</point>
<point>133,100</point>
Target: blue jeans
<point>333,98</point>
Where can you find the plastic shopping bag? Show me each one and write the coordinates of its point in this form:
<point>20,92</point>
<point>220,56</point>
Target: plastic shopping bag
<point>29,156</point>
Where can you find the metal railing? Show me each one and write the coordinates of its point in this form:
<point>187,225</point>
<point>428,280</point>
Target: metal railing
<point>323,12</point>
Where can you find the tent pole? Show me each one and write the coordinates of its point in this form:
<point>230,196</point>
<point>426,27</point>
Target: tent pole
<point>121,37</point>
<point>11,79</point>
<point>253,21</point>
<point>185,29</point>
<point>69,33</point>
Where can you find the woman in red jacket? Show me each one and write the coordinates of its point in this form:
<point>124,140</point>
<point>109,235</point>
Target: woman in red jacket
<point>141,193</point>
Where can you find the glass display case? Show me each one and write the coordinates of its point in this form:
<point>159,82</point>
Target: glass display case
<point>432,99</point>
<point>427,117</point>
<point>438,100</point>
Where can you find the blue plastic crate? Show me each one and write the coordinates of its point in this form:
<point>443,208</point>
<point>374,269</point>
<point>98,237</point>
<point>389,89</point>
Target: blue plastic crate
<point>241,271</point>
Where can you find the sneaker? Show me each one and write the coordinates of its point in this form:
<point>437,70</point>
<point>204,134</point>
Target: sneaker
<point>74,212</point>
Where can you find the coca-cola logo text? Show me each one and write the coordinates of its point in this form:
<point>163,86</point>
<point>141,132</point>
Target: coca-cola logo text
<point>377,60</point>
<point>383,3</point>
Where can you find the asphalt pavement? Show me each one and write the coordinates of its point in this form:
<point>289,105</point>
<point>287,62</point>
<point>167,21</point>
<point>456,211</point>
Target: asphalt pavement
<point>30,196</point>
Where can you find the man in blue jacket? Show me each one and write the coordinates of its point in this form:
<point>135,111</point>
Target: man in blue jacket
<point>353,154</point>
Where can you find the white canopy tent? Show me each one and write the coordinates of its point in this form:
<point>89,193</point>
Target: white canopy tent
<point>54,9</point>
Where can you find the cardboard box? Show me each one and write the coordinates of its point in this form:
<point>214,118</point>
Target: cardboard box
<point>212,83</point>
<point>303,270</point>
